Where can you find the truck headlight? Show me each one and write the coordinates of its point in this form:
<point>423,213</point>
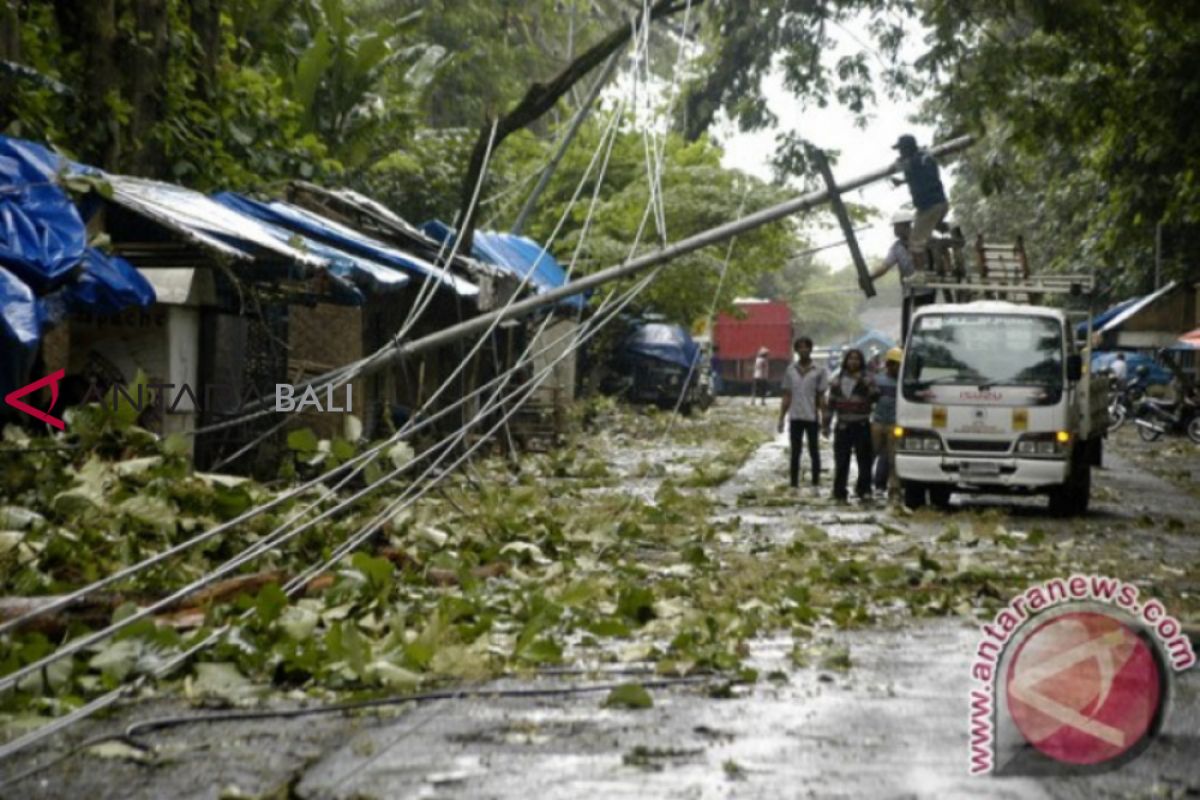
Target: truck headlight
<point>923,441</point>
<point>1049,443</point>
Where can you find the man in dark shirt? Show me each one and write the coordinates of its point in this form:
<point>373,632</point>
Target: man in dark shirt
<point>928,195</point>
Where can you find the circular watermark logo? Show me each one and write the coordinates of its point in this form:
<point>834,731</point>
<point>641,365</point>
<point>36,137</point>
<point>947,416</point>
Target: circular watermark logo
<point>1084,688</point>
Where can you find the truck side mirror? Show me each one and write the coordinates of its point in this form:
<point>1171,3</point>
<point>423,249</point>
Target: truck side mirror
<point>1074,367</point>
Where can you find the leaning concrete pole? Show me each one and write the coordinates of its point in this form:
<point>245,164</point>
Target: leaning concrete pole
<point>641,263</point>
<point>396,351</point>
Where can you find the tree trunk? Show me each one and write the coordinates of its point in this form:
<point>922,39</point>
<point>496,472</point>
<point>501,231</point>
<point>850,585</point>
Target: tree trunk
<point>540,98</point>
<point>10,50</point>
<point>91,27</point>
<point>145,68</point>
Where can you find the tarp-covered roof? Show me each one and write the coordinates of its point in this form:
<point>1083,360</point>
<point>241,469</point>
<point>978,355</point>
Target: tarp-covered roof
<point>883,339</point>
<point>666,342</point>
<point>45,258</point>
<point>363,272</point>
<point>204,221</point>
<point>1101,319</point>
<point>518,255</point>
<point>1113,318</point>
<point>344,238</point>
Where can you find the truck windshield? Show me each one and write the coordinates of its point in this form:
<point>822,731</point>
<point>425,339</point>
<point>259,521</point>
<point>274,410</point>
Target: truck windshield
<point>985,350</point>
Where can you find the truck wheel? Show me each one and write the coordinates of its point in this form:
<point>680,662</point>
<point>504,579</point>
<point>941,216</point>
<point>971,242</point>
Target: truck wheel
<point>1060,501</point>
<point>1082,489</point>
<point>1193,429</point>
<point>939,497</point>
<point>914,494</point>
<point>1071,499</point>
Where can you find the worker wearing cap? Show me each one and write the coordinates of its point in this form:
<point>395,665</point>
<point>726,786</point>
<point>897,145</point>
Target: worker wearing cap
<point>924,181</point>
<point>883,419</point>
<point>898,256</point>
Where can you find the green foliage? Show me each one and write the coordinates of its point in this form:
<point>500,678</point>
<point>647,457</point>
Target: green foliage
<point>1090,136</point>
<point>698,194</point>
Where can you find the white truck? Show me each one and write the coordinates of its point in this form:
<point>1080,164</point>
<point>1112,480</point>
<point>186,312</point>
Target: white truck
<point>993,397</point>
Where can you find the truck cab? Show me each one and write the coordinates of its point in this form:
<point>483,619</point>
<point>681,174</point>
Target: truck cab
<point>993,399</point>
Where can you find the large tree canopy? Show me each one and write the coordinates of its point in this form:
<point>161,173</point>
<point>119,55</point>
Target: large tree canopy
<point>1082,109</point>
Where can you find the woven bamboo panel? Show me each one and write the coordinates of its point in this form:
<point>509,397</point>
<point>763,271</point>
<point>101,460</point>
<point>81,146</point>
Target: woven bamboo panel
<point>322,338</point>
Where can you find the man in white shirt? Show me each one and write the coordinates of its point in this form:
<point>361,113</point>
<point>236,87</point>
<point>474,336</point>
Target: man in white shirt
<point>761,368</point>
<point>898,256</point>
<point>803,406</point>
<point>1119,370</point>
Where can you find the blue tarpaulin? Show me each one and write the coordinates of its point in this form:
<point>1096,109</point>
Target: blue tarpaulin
<point>44,256</point>
<point>518,255</point>
<point>670,343</point>
<point>338,236</point>
<point>106,285</point>
<point>363,272</point>
<point>21,320</point>
<point>42,237</point>
<point>1101,319</point>
<point>23,315</point>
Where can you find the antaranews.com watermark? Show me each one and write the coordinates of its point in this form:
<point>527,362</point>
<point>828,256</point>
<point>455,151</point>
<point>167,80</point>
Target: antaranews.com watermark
<point>1078,666</point>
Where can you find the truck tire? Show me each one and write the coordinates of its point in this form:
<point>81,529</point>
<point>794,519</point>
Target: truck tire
<point>914,494</point>
<point>939,497</point>
<point>1072,498</point>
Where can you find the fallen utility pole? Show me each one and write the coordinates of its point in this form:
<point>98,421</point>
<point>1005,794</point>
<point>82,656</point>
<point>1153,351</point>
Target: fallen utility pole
<point>641,263</point>
<point>394,351</point>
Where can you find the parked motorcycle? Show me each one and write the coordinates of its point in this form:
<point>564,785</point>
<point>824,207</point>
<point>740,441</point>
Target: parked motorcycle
<point>1156,417</point>
<point>1122,402</point>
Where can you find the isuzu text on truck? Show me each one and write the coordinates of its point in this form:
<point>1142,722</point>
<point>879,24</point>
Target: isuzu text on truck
<point>993,399</point>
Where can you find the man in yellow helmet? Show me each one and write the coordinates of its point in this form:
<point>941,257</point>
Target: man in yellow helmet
<point>883,419</point>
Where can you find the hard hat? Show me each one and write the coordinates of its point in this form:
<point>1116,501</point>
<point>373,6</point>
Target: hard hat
<point>903,215</point>
<point>895,355</point>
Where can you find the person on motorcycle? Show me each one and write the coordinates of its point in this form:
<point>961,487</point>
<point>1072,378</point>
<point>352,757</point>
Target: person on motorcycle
<point>1119,369</point>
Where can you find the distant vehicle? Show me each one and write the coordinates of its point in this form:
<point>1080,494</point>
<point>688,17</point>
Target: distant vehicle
<point>766,323</point>
<point>659,363</point>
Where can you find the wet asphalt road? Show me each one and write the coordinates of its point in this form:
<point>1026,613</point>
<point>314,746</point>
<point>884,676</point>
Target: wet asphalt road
<point>895,725</point>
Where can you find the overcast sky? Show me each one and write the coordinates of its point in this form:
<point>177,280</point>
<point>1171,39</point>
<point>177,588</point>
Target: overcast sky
<point>861,150</point>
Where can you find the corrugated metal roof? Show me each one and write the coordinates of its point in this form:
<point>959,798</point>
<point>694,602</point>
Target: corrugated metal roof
<point>203,221</point>
<point>1128,311</point>
<point>516,255</point>
<point>381,220</point>
<point>362,271</point>
<point>345,238</point>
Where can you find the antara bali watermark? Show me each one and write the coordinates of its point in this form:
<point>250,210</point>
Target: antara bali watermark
<point>170,398</point>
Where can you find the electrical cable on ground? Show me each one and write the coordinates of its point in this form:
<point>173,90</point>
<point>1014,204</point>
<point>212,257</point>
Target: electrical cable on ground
<point>143,727</point>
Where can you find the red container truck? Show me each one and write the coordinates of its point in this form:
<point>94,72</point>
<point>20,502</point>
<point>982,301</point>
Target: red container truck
<point>737,339</point>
